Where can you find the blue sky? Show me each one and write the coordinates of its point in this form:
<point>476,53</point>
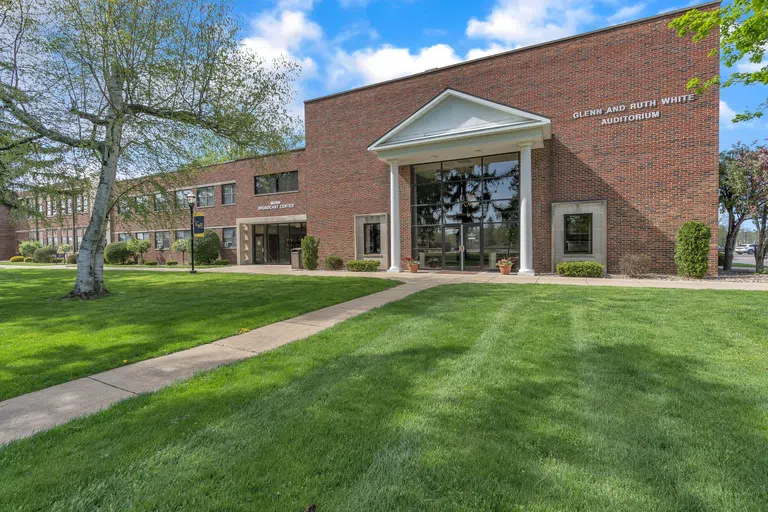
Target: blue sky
<point>342,44</point>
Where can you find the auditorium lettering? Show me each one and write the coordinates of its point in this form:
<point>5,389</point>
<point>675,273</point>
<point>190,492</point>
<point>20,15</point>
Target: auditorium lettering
<point>627,112</point>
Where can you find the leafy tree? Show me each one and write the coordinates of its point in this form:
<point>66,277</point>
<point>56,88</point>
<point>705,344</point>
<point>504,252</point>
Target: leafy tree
<point>133,85</point>
<point>733,197</point>
<point>65,249</point>
<point>181,246</point>
<point>28,248</point>
<point>138,248</point>
<point>743,35</point>
<point>206,247</point>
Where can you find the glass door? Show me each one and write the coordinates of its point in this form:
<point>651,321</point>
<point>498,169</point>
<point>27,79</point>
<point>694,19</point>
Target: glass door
<point>463,250</point>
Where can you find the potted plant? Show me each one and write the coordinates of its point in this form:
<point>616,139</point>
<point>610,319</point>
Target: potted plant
<point>505,265</point>
<point>413,265</point>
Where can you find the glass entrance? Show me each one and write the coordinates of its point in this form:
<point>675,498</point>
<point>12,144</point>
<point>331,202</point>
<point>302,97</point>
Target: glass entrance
<point>272,243</point>
<point>463,247</point>
<point>466,213</point>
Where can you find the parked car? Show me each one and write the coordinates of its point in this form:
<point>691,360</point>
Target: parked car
<point>746,248</point>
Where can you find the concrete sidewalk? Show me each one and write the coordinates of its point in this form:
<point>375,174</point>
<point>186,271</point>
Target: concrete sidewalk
<point>41,410</point>
<point>437,278</point>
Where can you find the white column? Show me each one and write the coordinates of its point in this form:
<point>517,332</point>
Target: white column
<point>526,212</point>
<point>394,214</point>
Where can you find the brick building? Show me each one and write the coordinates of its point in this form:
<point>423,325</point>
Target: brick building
<point>585,148</point>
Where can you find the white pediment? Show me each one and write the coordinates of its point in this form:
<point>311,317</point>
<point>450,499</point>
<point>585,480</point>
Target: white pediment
<point>454,114</point>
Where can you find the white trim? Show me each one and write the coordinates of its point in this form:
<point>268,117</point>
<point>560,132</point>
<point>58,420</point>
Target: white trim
<point>532,120</point>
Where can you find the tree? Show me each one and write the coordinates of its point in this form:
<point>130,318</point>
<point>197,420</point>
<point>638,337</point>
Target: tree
<point>206,247</point>
<point>138,248</point>
<point>733,198</point>
<point>181,246</point>
<point>743,35</point>
<point>132,86</point>
<point>65,249</point>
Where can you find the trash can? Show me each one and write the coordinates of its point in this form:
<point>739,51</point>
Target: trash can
<point>296,262</point>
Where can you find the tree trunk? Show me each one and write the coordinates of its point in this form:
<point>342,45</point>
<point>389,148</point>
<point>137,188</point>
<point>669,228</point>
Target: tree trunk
<point>89,283</point>
<point>734,225</point>
<point>761,222</point>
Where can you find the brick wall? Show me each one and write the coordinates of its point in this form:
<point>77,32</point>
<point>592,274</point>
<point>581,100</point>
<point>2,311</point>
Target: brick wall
<point>7,234</point>
<point>655,174</point>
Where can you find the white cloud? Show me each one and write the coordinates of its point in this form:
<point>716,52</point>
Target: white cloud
<point>726,115</point>
<point>523,22</point>
<point>626,13</point>
<point>745,66</point>
<point>494,48</point>
<point>282,34</point>
<point>370,65</point>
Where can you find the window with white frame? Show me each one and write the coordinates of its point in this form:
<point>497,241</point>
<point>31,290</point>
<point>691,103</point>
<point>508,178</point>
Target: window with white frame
<point>204,197</point>
<point>123,237</point>
<point>181,198</point>
<point>183,234</point>
<point>228,238</point>
<point>162,240</point>
<point>228,193</point>
<point>142,235</point>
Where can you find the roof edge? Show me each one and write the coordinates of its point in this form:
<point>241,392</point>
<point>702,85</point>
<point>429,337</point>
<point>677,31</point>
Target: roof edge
<point>518,50</point>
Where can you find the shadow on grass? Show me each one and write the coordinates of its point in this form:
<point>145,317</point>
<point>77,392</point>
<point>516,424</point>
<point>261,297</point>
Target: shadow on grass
<point>365,417</point>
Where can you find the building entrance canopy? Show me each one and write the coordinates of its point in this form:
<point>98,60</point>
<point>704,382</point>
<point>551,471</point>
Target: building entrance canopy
<point>455,125</point>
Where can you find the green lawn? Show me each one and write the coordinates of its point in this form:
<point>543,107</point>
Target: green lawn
<point>462,397</point>
<point>45,340</point>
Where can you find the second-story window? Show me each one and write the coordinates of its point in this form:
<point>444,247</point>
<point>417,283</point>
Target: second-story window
<point>181,198</point>
<point>204,197</point>
<point>279,182</point>
<point>228,193</point>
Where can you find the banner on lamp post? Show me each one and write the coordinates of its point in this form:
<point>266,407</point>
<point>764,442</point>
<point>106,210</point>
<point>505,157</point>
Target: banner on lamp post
<point>199,224</point>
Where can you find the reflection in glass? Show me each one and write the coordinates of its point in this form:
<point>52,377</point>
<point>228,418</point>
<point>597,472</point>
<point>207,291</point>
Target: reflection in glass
<point>578,233</point>
<point>466,191</point>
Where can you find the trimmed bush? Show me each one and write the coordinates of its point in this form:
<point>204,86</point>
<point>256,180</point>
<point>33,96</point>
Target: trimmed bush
<point>72,259</point>
<point>580,269</point>
<point>150,263</point>
<point>309,249</point>
<point>117,253</point>
<point>207,247</point>
<point>171,263</point>
<point>28,248</point>
<point>635,265</point>
<point>362,265</point>
<point>692,249</point>
<point>45,255</point>
<point>222,262</point>
<point>138,247</point>
<point>720,259</point>
<point>28,260</point>
<point>334,263</point>
<point>17,259</point>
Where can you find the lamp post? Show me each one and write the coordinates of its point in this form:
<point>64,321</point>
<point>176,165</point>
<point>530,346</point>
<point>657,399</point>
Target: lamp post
<point>191,200</point>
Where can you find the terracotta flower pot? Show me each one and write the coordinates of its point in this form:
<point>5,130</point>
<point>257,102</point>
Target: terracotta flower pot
<point>504,269</point>
<point>413,268</point>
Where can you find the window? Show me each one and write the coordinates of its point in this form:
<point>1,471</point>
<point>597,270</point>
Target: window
<point>181,198</point>
<point>183,234</point>
<point>162,240</point>
<point>49,207</point>
<point>279,182</point>
<point>578,233</point>
<point>123,237</point>
<point>228,193</point>
<point>161,202</point>
<point>228,237</point>
<point>372,238</point>
<point>142,236</point>
<point>204,197</point>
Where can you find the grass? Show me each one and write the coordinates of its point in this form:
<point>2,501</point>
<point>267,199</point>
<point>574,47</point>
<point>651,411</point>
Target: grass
<point>45,340</point>
<point>743,265</point>
<point>459,398</point>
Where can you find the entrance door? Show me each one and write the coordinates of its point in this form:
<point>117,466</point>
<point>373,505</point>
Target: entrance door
<point>463,250</point>
<point>258,249</point>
